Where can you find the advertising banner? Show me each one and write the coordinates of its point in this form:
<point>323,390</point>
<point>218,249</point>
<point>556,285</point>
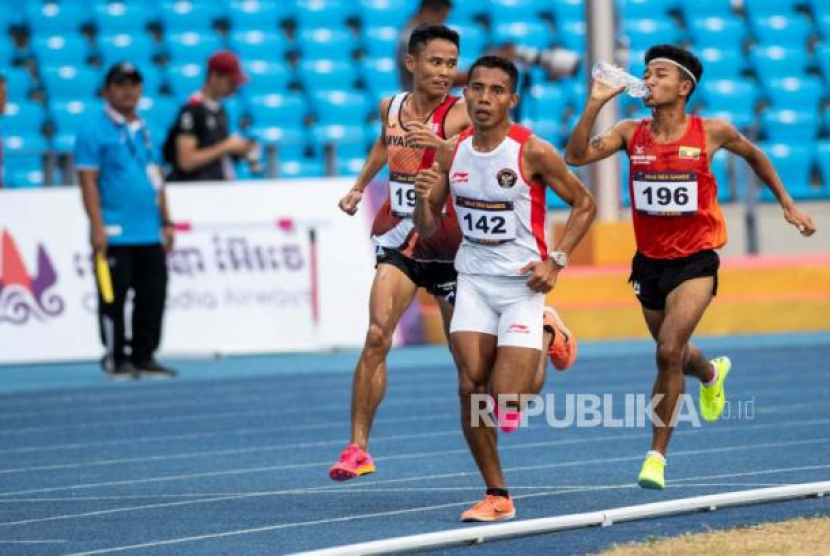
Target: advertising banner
<point>257,267</point>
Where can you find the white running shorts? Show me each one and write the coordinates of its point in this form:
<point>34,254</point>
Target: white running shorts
<point>500,306</point>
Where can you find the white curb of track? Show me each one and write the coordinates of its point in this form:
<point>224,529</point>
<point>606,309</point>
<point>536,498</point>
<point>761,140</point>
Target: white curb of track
<point>484,533</point>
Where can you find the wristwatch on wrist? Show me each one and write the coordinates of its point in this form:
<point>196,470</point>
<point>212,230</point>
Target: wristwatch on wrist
<point>559,258</point>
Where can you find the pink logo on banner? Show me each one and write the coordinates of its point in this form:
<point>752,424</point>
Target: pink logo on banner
<point>23,296</point>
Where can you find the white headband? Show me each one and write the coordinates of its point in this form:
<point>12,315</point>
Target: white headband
<point>684,68</point>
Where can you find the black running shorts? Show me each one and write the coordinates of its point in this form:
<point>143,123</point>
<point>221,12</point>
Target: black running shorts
<point>654,279</point>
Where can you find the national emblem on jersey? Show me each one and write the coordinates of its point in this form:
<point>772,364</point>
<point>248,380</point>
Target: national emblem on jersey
<point>507,178</point>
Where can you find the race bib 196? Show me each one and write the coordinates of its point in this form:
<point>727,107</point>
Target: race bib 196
<point>665,193</point>
<point>488,222</point>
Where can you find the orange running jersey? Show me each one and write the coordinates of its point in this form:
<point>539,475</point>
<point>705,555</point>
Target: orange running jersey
<point>674,196</point>
<point>393,227</point>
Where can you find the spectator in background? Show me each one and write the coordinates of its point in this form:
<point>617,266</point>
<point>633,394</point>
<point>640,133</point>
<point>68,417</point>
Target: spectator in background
<point>130,226</point>
<point>557,61</point>
<point>199,146</point>
<point>3,95</point>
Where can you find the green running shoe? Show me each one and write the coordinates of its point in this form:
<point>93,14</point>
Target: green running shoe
<point>652,474</point>
<point>712,398</point>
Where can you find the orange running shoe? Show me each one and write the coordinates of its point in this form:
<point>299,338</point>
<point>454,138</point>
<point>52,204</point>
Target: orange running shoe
<point>563,348</point>
<point>354,462</point>
<point>492,508</point>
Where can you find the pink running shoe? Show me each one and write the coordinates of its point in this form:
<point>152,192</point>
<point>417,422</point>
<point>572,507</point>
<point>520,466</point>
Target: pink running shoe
<point>354,462</point>
<point>563,348</point>
<point>509,421</point>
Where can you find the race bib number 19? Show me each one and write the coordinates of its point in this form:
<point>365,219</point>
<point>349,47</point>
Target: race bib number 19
<point>488,222</point>
<point>402,198</point>
<point>665,193</point>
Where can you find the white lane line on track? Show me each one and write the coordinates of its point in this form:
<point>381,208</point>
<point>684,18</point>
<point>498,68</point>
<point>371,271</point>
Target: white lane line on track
<point>276,527</point>
<point>345,489</point>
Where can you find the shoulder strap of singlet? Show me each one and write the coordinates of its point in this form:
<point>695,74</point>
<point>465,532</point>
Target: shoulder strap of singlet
<point>437,122</point>
<point>393,113</point>
<point>637,132</point>
<point>519,133</point>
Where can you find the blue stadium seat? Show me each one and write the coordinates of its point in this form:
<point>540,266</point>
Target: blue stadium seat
<point>182,16</point>
<point>259,15</point>
<point>59,50</point>
<point>137,47</point>
<point>18,144</point>
<point>69,117</point>
<point>796,92</point>
<point>548,128</point>
<point>518,10</point>
<point>638,9</point>
<point>259,45</point>
<point>742,117</point>
<point>712,8</point>
<point>152,80</point>
<point>385,13</point>
<point>532,33</point>
<point>302,168</point>
<point>720,168</point>
<point>8,52</point>
<point>266,77</point>
<point>185,79</point>
<point>823,59</point>
<point>64,82</point>
<point>327,74</point>
<point>571,33</point>
<point>326,43</point>
<point>24,172</point>
<point>381,42</point>
<point>18,82</point>
<point>721,63</point>
<point>465,13</point>
<point>159,112</point>
<point>790,125</point>
<point>823,23</point>
<point>782,30</point>
<point>706,31</point>
<point>773,62</point>
<point>281,110</point>
<point>290,141</point>
<point>729,94</point>
<point>9,19</point>
<point>568,10</point>
<point>55,18</point>
<point>549,101</point>
<point>349,140</point>
<point>125,17</point>
<point>473,39</point>
<point>793,161</point>
<point>192,47</point>
<point>643,33</point>
<point>380,76</point>
<point>770,7</point>
<point>823,157</point>
<point>314,14</point>
<point>341,107</point>
<point>22,117</point>
<point>349,166</point>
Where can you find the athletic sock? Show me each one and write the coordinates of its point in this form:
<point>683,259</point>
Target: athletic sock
<point>656,454</point>
<point>498,492</point>
<point>714,378</point>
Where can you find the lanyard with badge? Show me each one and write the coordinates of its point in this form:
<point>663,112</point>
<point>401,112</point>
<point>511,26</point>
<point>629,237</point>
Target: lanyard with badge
<point>144,161</point>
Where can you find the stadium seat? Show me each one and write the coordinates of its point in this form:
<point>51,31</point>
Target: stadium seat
<point>638,9</point>
<point>770,7</point>
<point>18,144</point>
<point>549,101</point>
<point>259,15</point>
<point>281,110</point>
<point>69,116</point>
<point>727,33</point>
<point>327,74</point>
<point>152,80</point>
<point>795,92</point>
<point>326,43</point>
<point>381,42</point>
<point>22,117</point>
<point>349,166</point>
<point>183,16</point>
<point>266,77</point>
<point>720,169</point>
<point>192,47</point>
<point>8,52</point>
<point>789,125</point>
<point>380,76</point>
<point>125,17</point>
<point>773,62</point>
<point>18,82</point>
<point>517,10</point>
<point>185,79</point>
<point>533,33</point>
<point>823,22</point>
<point>349,140</point>
<point>742,117</point>
<point>137,47</point>
<point>65,82</point>
<point>60,50</point>
<point>466,13</point>
<point>571,33</point>
<point>728,94</point>
<point>823,59</point>
<point>825,121</point>
<point>302,168</point>
<point>56,18</point>
<point>568,10</point>
<point>159,112</point>
<point>385,13</point>
<point>24,172</point>
<point>793,161</point>
<point>259,45</point>
<point>548,128</point>
<point>9,19</point>
<point>643,33</point>
<point>782,30</point>
<point>473,39</point>
<point>290,141</point>
<point>712,8</point>
<point>315,14</point>
<point>341,107</point>
<point>823,156</point>
<point>721,63</point>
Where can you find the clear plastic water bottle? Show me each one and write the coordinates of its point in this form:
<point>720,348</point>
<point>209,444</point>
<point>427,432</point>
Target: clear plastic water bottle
<point>615,77</point>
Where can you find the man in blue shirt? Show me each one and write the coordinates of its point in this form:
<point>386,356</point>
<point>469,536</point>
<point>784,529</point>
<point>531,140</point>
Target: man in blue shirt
<point>130,227</point>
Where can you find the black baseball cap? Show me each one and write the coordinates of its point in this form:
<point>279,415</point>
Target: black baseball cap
<point>121,72</point>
